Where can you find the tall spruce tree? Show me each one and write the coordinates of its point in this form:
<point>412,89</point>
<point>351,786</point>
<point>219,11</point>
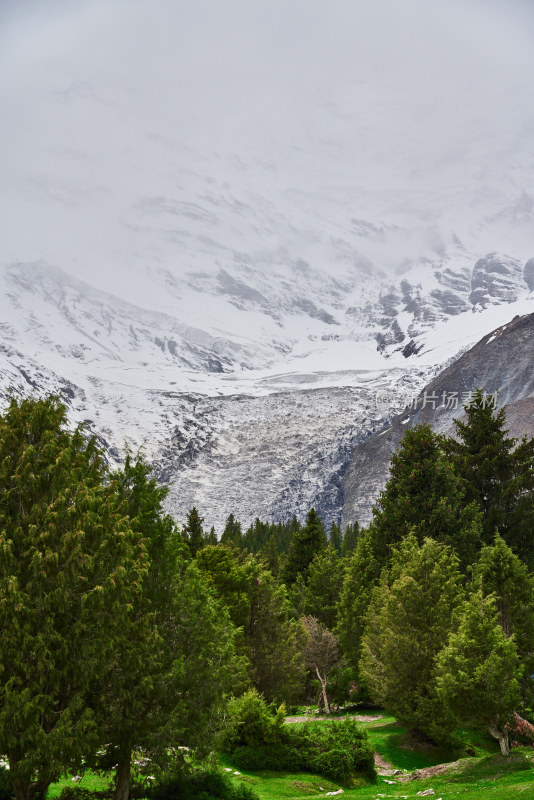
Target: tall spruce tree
<point>423,497</point>
<point>498,472</point>
<point>193,532</point>
<point>306,543</point>
<point>426,498</point>
<point>350,539</point>
<point>325,578</point>
<point>408,623</point>
<point>71,569</point>
<point>334,537</point>
<point>477,670</point>
<point>259,607</point>
<point>232,533</point>
<point>360,576</point>
<point>502,573</point>
<point>141,700</point>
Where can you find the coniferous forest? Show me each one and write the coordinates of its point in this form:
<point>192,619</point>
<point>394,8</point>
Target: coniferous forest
<point>152,651</point>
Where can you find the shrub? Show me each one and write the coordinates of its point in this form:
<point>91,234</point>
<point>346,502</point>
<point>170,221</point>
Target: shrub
<point>336,750</point>
<point>251,721</point>
<point>256,738</point>
<point>200,786</point>
<point>278,757</point>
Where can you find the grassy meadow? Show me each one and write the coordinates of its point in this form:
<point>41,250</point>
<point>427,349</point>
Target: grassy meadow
<point>483,774</point>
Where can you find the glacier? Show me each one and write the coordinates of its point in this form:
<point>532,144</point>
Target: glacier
<point>246,271</point>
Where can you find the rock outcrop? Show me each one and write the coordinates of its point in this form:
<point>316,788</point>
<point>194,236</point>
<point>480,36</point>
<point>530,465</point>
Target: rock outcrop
<point>502,362</point>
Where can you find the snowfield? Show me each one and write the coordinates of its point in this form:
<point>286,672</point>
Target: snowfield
<point>245,271</point>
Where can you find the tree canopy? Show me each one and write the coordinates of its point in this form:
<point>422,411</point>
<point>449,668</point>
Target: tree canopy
<point>71,569</point>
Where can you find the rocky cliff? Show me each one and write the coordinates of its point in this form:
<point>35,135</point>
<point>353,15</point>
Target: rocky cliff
<point>502,363</point>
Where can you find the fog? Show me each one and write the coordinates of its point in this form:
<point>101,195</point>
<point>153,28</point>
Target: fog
<point>416,117</point>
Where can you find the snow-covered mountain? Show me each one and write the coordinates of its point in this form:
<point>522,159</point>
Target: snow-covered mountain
<point>244,249</point>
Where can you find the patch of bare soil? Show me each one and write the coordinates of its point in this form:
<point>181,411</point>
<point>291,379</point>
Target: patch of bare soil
<point>430,772</point>
<point>321,717</point>
<point>383,767</point>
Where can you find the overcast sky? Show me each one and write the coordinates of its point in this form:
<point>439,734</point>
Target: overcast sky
<point>390,96</point>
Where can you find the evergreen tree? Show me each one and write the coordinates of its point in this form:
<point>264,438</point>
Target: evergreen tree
<point>307,542</point>
<point>498,473</point>
<point>212,536</point>
<point>259,607</point>
<point>361,575</point>
<point>501,573</point>
<point>179,636</point>
<point>232,533</point>
<point>350,539</point>
<point>135,703</point>
<point>334,537</point>
<point>425,497</point>
<point>325,578</point>
<point>256,536</point>
<point>477,671</point>
<point>193,531</point>
<point>271,555</point>
<point>297,593</point>
<point>408,623</point>
<point>71,568</point>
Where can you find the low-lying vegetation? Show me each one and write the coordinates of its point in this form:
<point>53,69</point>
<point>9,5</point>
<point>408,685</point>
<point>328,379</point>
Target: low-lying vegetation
<point>258,739</point>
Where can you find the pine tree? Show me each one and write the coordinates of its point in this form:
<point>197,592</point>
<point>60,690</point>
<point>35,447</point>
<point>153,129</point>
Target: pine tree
<point>425,497</point>
<point>350,539</point>
<point>135,702</point>
<point>193,531</point>
<point>498,473</point>
<point>271,555</point>
<point>334,537</point>
<point>212,536</point>
<point>408,623</point>
<point>307,542</point>
<point>361,575</point>
<point>232,533</point>
<point>502,573</point>
<point>258,606</point>
<point>477,671</point>
<point>325,579</point>
<point>71,569</point>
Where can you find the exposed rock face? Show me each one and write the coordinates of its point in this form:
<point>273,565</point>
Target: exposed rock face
<point>261,424</point>
<point>496,278</point>
<point>501,362</point>
<point>528,274</point>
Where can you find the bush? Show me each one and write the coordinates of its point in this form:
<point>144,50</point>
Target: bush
<point>251,722</point>
<point>256,738</point>
<point>278,757</point>
<point>200,786</point>
<point>80,793</point>
<point>336,750</point>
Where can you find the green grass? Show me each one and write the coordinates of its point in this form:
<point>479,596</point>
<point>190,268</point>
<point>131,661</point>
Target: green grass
<point>90,780</point>
<point>484,776</point>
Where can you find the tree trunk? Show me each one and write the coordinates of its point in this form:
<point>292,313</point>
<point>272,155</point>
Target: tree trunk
<point>502,738</point>
<point>27,790</point>
<point>323,689</point>
<point>122,775</point>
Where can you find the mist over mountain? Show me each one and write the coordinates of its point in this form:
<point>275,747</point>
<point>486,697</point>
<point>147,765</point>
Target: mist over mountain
<point>226,228</point>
